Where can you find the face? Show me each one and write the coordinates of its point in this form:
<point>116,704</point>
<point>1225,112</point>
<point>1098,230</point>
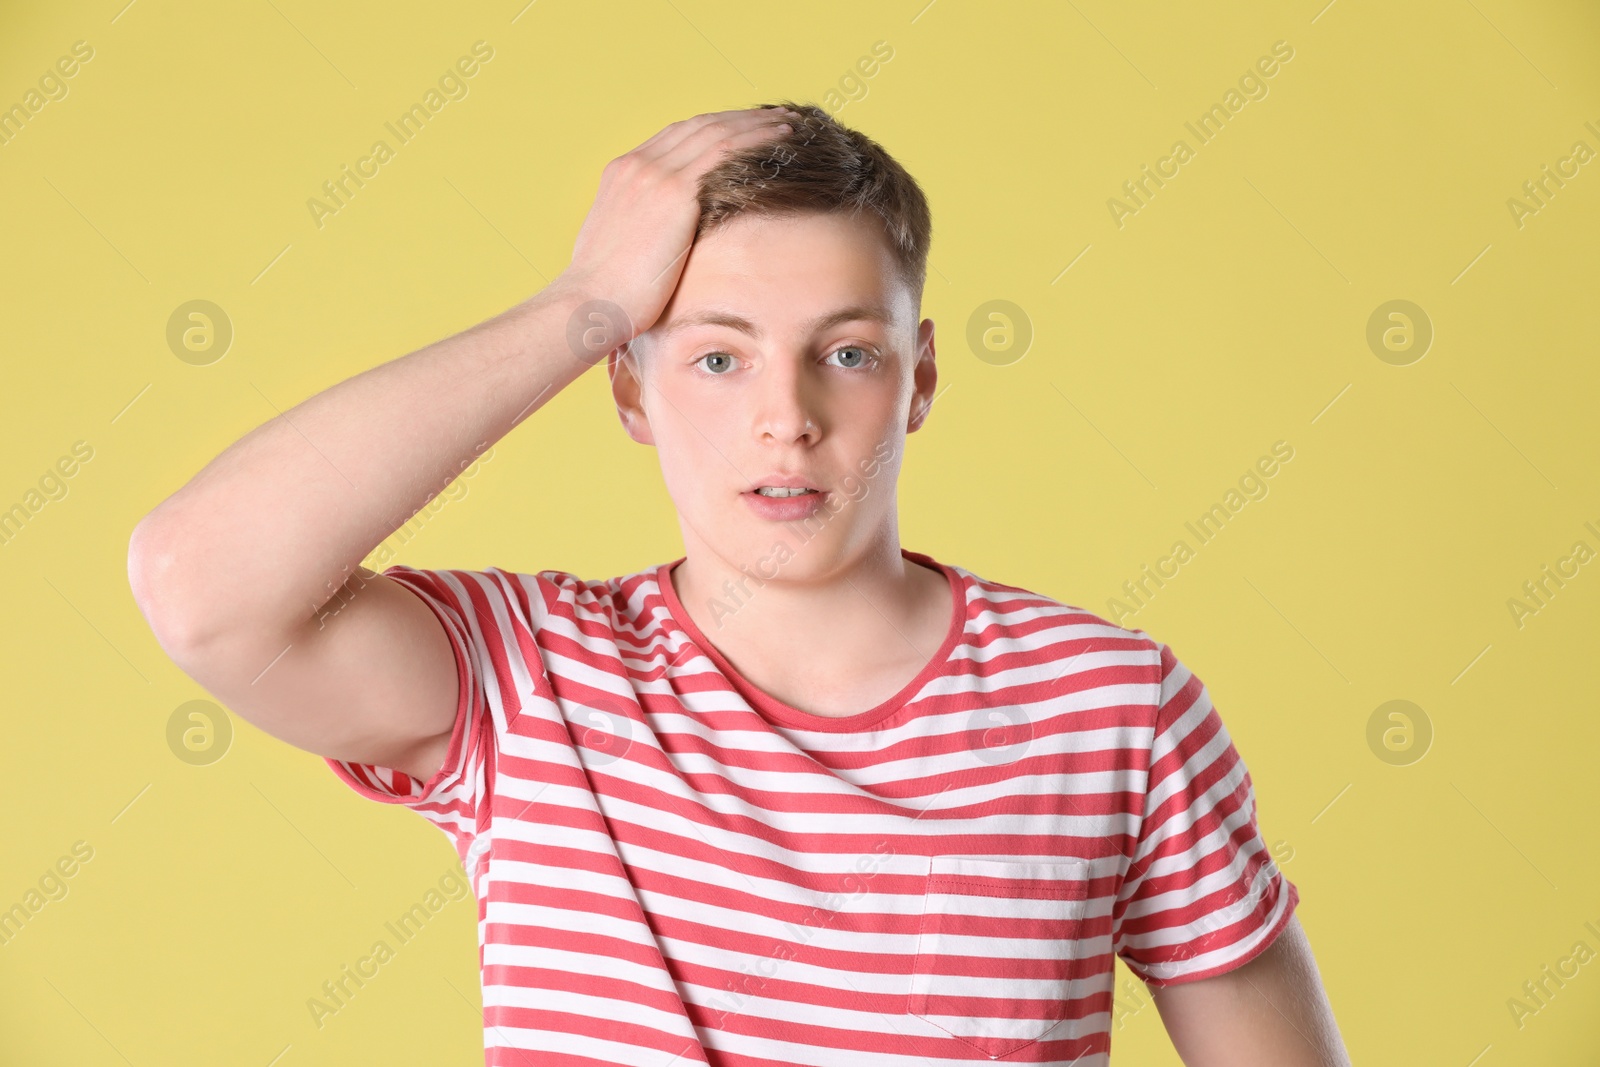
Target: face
<point>790,352</point>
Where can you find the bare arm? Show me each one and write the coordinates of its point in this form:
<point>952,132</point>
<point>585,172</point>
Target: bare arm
<point>233,570</point>
<point>1272,1012</point>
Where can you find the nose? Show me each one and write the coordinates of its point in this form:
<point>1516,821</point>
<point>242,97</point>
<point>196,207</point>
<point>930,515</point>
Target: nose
<point>785,411</point>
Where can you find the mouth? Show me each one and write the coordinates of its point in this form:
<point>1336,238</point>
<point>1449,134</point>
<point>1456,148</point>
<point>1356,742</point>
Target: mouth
<point>785,499</point>
<point>783,492</point>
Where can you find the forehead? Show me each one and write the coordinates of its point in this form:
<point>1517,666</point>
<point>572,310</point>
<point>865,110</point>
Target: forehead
<point>788,274</point>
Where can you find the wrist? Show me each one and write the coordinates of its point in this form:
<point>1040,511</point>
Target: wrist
<point>593,324</point>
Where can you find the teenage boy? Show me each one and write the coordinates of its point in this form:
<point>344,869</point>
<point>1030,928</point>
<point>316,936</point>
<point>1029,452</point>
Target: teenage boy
<point>800,796</point>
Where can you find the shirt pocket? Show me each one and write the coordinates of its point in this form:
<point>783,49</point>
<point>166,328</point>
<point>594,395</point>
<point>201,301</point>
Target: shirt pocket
<point>998,948</point>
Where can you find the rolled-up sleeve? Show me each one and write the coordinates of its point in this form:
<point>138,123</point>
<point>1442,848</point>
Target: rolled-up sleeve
<point>454,799</point>
<point>1202,894</point>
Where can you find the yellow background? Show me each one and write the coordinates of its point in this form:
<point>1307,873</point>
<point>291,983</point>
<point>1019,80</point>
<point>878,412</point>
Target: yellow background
<point>1229,313</point>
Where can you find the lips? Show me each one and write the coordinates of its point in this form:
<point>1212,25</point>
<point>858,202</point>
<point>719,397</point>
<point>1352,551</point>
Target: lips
<point>785,508</point>
<point>783,481</point>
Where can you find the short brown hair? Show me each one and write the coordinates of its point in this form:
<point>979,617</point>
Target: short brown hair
<point>823,166</point>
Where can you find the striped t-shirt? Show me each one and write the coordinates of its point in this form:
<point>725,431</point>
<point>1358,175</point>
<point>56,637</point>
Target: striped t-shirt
<point>672,867</point>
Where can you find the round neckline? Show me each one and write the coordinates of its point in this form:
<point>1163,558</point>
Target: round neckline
<point>775,710</point>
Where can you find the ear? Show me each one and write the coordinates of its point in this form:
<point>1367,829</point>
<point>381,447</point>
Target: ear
<point>627,389</point>
<point>924,377</point>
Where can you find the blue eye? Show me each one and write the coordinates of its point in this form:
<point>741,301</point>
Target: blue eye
<point>862,356</point>
<point>717,355</point>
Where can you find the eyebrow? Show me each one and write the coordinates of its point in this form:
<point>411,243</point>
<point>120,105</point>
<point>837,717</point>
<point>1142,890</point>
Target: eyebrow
<point>826,321</point>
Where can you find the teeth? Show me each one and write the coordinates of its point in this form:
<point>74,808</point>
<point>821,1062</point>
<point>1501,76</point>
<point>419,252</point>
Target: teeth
<point>769,490</point>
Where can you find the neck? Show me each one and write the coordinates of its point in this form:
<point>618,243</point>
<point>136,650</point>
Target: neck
<point>816,612</point>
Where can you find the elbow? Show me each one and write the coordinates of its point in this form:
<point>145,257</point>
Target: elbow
<point>159,583</point>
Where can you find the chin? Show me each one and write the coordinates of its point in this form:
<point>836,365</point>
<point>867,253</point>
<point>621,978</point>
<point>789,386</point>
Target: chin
<point>768,551</point>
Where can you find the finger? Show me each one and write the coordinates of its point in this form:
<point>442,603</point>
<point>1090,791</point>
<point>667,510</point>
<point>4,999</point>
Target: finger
<point>673,137</point>
<point>708,146</point>
<point>675,133</point>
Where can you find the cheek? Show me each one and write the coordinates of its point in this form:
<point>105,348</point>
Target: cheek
<point>868,413</point>
<point>691,442</point>
<point>683,482</point>
<point>692,422</point>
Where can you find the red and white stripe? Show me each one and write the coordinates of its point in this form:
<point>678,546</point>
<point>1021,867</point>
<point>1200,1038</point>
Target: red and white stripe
<point>670,863</point>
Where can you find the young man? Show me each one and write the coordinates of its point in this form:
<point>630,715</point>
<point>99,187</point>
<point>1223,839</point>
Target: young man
<point>801,796</point>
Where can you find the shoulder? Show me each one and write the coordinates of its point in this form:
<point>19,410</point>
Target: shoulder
<point>1128,677</point>
<point>624,600</point>
<point>497,596</point>
<point>549,623</point>
<point>1011,612</point>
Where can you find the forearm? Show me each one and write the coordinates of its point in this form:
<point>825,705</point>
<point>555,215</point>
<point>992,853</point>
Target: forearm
<point>271,529</point>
